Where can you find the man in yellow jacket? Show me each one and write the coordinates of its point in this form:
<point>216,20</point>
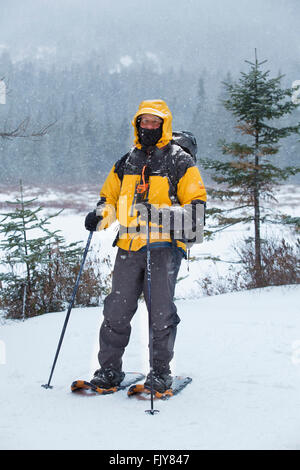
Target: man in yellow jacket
<point>155,185</point>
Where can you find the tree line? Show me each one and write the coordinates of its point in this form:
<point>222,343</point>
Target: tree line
<point>78,118</point>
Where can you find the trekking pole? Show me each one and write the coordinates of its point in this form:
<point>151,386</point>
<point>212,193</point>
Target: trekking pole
<point>69,310</point>
<point>151,411</point>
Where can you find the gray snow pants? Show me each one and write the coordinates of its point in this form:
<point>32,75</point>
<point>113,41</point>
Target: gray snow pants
<point>129,281</point>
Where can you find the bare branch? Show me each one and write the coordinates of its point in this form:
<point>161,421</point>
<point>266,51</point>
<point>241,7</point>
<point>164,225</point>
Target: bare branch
<point>22,131</point>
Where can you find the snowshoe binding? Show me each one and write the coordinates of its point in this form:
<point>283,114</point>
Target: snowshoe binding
<point>143,391</point>
<point>100,385</point>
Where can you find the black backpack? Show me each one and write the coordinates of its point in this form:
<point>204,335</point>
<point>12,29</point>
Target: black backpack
<point>187,141</point>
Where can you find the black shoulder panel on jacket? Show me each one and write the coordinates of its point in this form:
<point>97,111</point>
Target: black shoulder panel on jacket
<point>120,165</point>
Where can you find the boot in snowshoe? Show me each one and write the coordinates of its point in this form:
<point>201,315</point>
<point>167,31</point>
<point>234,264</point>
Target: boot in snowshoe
<point>107,378</point>
<point>161,381</point>
<point>142,393</point>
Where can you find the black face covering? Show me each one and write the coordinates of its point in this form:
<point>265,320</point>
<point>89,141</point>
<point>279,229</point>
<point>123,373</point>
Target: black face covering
<point>148,137</point>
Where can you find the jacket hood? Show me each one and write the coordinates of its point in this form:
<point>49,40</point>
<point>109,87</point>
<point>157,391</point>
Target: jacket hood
<point>157,108</point>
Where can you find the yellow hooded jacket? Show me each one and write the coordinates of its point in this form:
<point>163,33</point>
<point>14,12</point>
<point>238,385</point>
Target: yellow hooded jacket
<point>118,193</point>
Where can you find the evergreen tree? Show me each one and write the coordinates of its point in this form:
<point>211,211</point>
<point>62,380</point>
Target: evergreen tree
<point>250,176</point>
<point>223,120</point>
<point>31,262</point>
<point>201,124</point>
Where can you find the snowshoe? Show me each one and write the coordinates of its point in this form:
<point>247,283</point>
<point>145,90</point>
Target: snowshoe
<point>142,392</point>
<point>89,388</point>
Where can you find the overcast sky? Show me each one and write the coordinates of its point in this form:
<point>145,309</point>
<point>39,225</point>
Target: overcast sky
<point>216,34</point>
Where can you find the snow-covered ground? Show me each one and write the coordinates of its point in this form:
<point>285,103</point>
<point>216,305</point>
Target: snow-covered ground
<point>77,201</point>
<point>241,349</point>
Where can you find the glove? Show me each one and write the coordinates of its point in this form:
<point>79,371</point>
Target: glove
<point>182,223</point>
<point>92,220</point>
